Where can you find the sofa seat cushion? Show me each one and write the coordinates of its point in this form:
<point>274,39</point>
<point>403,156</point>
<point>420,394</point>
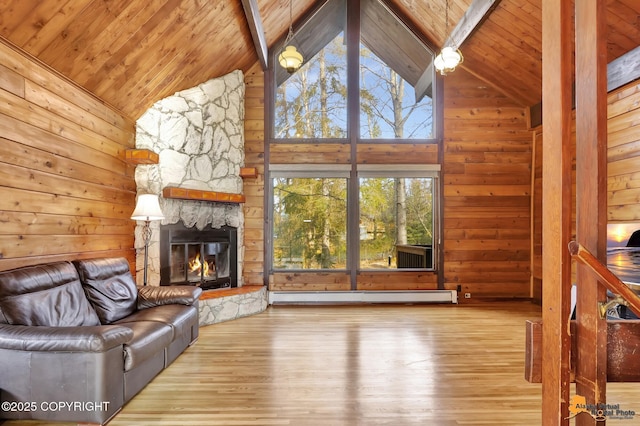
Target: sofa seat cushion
<point>44,295</point>
<point>109,287</point>
<point>179,317</point>
<point>149,338</point>
<point>96,338</point>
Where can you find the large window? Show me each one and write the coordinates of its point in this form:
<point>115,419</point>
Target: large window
<point>312,103</point>
<point>366,88</point>
<point>396,222</point>
<point>396,77</point>
<point>394,89</point>
<point>309,221</point>
<point>397,218</point>
<point>389,108</point>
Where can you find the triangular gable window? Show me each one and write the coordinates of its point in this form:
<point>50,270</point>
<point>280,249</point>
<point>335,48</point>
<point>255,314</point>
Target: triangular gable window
<point>394,86</point>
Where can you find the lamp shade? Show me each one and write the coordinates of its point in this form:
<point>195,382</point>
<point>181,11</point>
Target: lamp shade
<point>448,60</point>
<point>147,208</point>
<point>290,59</point>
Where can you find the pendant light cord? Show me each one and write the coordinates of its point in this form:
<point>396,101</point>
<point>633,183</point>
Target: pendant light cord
<point>446,21</point>
<point>290,35</point>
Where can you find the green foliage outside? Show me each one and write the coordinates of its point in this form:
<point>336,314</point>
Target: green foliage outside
<point>310,214</point>
<point>379,214</point>
<point>310,223</point>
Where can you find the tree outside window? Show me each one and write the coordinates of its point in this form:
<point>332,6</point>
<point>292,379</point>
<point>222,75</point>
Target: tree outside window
<point>309,223</point>
<point>395,82</point>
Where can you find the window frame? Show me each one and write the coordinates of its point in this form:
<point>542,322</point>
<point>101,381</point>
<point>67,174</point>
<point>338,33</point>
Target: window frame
<point>313,171</point>
<point>353,145</point>
<point>352,40</point>
<point>352,177</point>
<point>431,171</point>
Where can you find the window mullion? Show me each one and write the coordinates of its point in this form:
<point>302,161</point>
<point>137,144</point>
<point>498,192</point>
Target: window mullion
<point>353,113</point>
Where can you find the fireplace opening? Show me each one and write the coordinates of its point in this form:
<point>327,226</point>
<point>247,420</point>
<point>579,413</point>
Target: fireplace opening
<point>206,258</point>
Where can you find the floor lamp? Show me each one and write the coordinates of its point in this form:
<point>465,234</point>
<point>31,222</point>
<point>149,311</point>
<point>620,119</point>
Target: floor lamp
<point>147,209</point>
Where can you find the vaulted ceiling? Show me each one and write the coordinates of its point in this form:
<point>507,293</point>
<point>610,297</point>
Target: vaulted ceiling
<point>132,53</point>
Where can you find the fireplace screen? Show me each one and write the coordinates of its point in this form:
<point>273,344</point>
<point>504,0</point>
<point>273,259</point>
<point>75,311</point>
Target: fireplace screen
<point>199,262</point>
<point>204,258</point>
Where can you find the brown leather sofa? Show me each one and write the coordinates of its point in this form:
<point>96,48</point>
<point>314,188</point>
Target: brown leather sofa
<point>79,339</point>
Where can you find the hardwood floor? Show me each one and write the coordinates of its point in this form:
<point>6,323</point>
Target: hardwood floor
<point>354,365</point>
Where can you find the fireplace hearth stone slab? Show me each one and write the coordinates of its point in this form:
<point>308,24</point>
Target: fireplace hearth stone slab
<point>228,304</point>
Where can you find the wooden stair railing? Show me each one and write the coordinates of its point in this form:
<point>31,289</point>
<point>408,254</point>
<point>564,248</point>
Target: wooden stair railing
<point>623,336</point>
<point>610,281</point>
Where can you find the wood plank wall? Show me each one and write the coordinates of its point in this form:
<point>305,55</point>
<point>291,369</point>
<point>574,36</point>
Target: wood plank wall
<point>487,187</point>
<point>67,193</point>
<point>65,190</point>
<point>487,176</point>
<point>254,187</point>
<point>624,154</point>
<point>623,171</point>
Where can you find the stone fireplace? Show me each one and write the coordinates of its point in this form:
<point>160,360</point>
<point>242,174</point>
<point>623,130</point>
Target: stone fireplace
<point>198,135</point>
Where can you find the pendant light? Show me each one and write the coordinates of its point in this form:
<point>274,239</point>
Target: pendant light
<point>450,56</point>
<point>290,59</point>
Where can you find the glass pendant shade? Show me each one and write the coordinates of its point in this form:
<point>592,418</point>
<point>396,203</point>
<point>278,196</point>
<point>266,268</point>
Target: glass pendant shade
<point>448,60</point>
<point>290,59</point>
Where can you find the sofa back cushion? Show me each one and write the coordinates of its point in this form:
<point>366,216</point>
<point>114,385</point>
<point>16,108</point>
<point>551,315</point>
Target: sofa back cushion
<point>109,287</point>
<point>44,295</point>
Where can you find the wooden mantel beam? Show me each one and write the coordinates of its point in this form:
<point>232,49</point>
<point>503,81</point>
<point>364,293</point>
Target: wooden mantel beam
<point>141,156</point>
<point>257,30</point>
<point>201,195</point>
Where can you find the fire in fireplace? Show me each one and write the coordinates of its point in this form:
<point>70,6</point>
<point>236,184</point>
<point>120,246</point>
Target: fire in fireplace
<point>206,258</point>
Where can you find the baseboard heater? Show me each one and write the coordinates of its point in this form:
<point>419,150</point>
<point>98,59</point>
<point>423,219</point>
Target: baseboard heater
<point>424,296</point>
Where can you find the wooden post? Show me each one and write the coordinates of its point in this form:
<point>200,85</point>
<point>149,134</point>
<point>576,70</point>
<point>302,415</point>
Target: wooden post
<point>556,217</point>
<point>591,198</point>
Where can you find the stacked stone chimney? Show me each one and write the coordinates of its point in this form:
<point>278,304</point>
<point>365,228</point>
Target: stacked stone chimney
<point>199,136</point>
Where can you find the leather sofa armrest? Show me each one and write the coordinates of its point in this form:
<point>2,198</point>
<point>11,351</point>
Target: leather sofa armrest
<point>97,338</point>
<point>150,296</point>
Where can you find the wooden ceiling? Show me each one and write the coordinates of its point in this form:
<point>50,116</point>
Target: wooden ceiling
<point>132,53</point>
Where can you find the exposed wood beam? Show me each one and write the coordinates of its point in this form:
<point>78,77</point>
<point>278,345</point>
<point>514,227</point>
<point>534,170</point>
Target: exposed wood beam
<point>623,70</point>
<point>257,30</point>
<point>477,12</point>
<point>620,71</point>
<point>424,86</point>
<point>557,75</point>
<point>591,199</point>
